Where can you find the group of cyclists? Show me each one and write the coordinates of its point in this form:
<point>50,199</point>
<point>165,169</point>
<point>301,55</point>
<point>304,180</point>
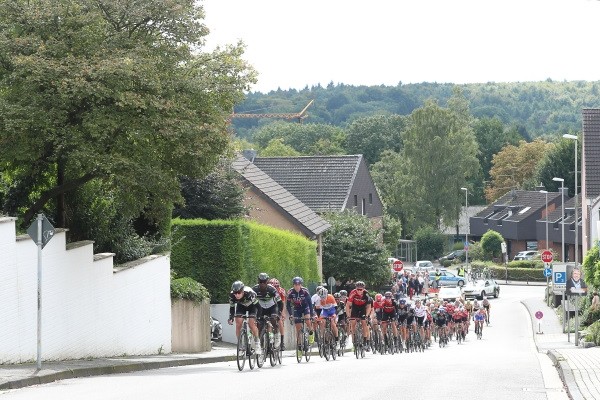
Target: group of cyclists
<point>428,317</point>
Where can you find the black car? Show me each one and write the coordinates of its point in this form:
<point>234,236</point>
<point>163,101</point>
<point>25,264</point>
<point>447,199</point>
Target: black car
<point>460,254</point>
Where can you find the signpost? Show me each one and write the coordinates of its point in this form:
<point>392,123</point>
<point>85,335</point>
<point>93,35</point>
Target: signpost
<point>559,282</point>
<point>547,256</point>
<point>398,266</point>
<point>539,315</point>
<point>41,231</point>
<point>547,259</point>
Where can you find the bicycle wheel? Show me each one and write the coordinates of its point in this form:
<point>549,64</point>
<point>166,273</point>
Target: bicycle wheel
<point>326,345</point>
<point>272,354</point>
<point>333,349</point>
<point>342,348</point>
<point>264,343</point>
<point>251,355</point>
<point>307,347</point>
<point>299,349</point>
<point>242,344</point>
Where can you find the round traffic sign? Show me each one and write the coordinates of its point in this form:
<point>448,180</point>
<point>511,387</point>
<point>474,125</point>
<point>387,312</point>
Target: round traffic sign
<point>398,265</point>
<point>539,315</point>
<point>547,256</point>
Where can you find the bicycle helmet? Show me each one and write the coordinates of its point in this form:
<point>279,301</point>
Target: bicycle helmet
<point>297,281</point>
<point>388,294</point>
<point>402,302</point>
<point>337,295</point>
<point>237,286</point>
<point>343,293</point>
<point>263,277</point>
<point>360,284</point>
<point>322,292</point>
<point>378,297</point>
<point>318,288</point>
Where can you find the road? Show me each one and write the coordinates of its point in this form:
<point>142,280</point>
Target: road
<point>503,365</point>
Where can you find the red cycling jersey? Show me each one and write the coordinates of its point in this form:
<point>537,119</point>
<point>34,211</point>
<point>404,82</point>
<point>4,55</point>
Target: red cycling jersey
<point>358,299</point>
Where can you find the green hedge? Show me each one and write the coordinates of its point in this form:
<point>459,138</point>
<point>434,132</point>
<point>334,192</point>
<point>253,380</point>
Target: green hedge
<point>514,273</point>
<point>219,252</point>
<point>187,288</point>
<point>526,264</point>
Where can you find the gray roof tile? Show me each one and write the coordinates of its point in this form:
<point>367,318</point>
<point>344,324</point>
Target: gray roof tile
<point>519,203</point>
<point>284,199</point>
<point>591,148</point>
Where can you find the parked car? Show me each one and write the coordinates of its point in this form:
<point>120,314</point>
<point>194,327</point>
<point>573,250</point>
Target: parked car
<point>481,289</point>
<point>526,255</point>
<point>216,329</point>
<point>447,279</point>
<point>449,294</point>
<point>423,265</point>
<point>460,254</point>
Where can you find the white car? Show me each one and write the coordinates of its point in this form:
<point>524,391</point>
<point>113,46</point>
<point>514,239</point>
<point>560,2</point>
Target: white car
<point>482,288</point>
<point>422,266</point>
<point>526,255</point>
<point>449,294</point>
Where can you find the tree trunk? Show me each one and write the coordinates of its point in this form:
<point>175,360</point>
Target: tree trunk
<point>61,218</point>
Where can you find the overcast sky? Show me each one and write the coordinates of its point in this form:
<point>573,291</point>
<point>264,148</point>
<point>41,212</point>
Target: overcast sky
<point>293,44</point>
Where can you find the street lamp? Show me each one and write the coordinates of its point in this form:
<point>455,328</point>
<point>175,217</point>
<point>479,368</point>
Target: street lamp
<point>562,210</point>
<point>546,192</point>
<point>466,232</point>
<point>573,137</point>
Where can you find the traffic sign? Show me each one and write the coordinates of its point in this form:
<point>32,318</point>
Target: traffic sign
<point>548,272</point>
<point>539,315</point>
<point>547,256</point>
<point>560,277</point>
<point>398,265</point>
<point>47,231</point>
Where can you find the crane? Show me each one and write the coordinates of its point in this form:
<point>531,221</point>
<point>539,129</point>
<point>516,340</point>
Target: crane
<point>299,116</point>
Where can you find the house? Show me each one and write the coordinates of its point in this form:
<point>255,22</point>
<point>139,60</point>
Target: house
<point>557,221</point>
<point>456,233</point>
<point>270,204</point>
<point>514,216</point>
<point>327,183</point>
<point>590,179</point>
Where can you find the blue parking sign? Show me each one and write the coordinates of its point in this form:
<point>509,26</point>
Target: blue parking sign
<point>560,277</point>
<point>548,272</point>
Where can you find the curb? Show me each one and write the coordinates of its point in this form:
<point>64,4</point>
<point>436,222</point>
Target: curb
<point>566,374</point>
<point>107,370</point>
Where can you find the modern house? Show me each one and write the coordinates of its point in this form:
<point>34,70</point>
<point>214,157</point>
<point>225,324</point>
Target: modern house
<point>557,222</point>
<point>456,233</point>
<point>515,217</point>
<point>590,179</point>
<point>270,204</point>
<point>327,183</point>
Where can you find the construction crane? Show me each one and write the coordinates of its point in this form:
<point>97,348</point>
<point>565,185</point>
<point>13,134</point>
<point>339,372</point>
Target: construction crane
<point>298,116</point>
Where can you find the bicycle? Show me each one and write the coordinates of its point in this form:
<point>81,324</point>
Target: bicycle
<point>375,335</point>
<point>357,339</point>
<point>329,350</point>
<point>267,334</point>
<point>343,336</point>
<point>443,337</point>
<point>390,340</point>
<point>303,346</point>
<point>479,329</point>
<point>244,350</point>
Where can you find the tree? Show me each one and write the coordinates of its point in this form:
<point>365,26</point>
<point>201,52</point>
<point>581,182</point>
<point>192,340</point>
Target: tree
<point>492,136</point>
<point>370,136</point>
<point>118,92</point>
<point>308,139</point>
<point>491,244</point>
<point>392,232</point>
<point>514,167</point>
<point>559,162</point>
<point>430,243</point>
<point>352,251</point>
<point>276,148</point>
<point>218,196</point>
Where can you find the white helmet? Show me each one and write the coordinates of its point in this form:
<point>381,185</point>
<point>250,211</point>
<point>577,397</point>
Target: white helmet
<point>322,292</point>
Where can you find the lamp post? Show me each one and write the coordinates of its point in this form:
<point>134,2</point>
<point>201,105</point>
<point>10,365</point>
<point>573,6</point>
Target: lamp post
<point>573,137</point>
<point>467,231</point>
<point>547,248</point>
<point>562,210</point>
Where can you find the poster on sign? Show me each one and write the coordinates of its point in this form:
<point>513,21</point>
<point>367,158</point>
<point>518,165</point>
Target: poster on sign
<point>576,285</point>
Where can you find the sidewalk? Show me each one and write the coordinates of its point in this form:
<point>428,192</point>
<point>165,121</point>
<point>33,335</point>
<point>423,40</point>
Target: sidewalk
<point>579,367</point>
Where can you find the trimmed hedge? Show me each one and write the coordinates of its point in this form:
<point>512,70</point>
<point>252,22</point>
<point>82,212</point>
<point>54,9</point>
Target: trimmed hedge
<point>219,252</point>
<point>187,288</point>
<point>514,273</point>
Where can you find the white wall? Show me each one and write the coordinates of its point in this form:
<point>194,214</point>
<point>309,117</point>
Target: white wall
<point>89,308</point>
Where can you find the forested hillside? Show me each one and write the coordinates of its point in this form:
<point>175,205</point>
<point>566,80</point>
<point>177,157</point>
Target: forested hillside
<point>535,108</point>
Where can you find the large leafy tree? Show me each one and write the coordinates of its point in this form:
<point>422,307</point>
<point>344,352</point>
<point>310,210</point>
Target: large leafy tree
<point>370,136</point>
<point>110,90</point>
<point>559,162</point>
<point>352,250</point>
<point>307,139</point>
<point>514,167</point>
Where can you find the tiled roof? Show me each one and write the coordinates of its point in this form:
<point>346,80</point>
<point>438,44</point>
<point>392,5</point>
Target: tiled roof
<point>591,146</point>
<point>555,216</point>
<point>284,199</point>
<point>321,182</point>
<point>517,205</point>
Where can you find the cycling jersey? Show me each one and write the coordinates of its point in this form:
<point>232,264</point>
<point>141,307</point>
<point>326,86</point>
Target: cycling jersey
<point>420,311</point>
<point>300,301</point>
<point>480,316</point>
<point>359,300</point>
<point>268,297</point>
<point>389,306</point>
<point>247,302</point>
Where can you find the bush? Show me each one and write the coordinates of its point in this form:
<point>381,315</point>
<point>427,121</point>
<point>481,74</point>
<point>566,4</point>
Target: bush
<point>491,244</point>
<point>187,288</point>
<point>430,243</point>
<point>591,266</point>
<point>475,252</point>
<point>593,333</point>
<point>526,264</point>
<point>447,263</point>
<point>514,274</point>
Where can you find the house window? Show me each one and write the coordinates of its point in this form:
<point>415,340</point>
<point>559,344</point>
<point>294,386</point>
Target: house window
<point>355,201</point>
<point>364,206</point>
<point>370,198</point>
<point>531,245</point>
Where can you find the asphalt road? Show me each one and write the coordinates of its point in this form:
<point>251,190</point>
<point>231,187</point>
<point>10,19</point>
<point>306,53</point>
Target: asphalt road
<point>504,365</point>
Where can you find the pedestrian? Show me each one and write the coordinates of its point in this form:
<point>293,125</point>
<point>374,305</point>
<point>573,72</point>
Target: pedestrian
<point>595,302</point>
<point>426,284</point>
<point>461,271</point>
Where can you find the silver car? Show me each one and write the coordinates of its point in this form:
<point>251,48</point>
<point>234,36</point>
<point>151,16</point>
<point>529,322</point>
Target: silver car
<point>481,289</point>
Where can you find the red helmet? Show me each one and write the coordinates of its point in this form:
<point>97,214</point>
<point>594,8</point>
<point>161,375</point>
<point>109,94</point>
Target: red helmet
<point>378,297</point>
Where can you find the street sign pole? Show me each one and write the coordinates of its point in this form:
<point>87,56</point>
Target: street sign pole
<point>40,218</point>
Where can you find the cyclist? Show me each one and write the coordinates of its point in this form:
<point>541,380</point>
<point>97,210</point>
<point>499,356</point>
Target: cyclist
<point>328,310</point>
<point>269,301</point>
<point>486,304</point>
<point>316,301</point>
<point>479,317</point>
<point>420,314</point>
<point>282,315</point>
<point>359,306</point>
<point>341,297</point>
<point>441,319</point>
<point>402,318</point>
<point>242,299</point>
<point>389,315</point>
<point>469,307</point>
<point>299,305</point>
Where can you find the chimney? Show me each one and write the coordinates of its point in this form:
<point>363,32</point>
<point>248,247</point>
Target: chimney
<point>540,187</point>
<point>566,190</point>
<point>250,154</point>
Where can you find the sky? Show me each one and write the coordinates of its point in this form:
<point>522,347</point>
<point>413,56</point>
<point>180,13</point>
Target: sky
<point>310,42</point>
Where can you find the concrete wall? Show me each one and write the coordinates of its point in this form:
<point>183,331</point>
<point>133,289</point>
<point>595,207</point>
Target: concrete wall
<point>89,308</point>
<point>190,326</point>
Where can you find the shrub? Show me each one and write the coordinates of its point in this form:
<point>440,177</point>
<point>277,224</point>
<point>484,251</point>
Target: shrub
<point>526,264</point>
<point>591,266</point>
<point>491,244</point>
<point>187,288</point>
<point>476,252</point>
<point>514,274</point>
<point>593,333</point>
<point>430,243</point>
<point>447,263</point>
